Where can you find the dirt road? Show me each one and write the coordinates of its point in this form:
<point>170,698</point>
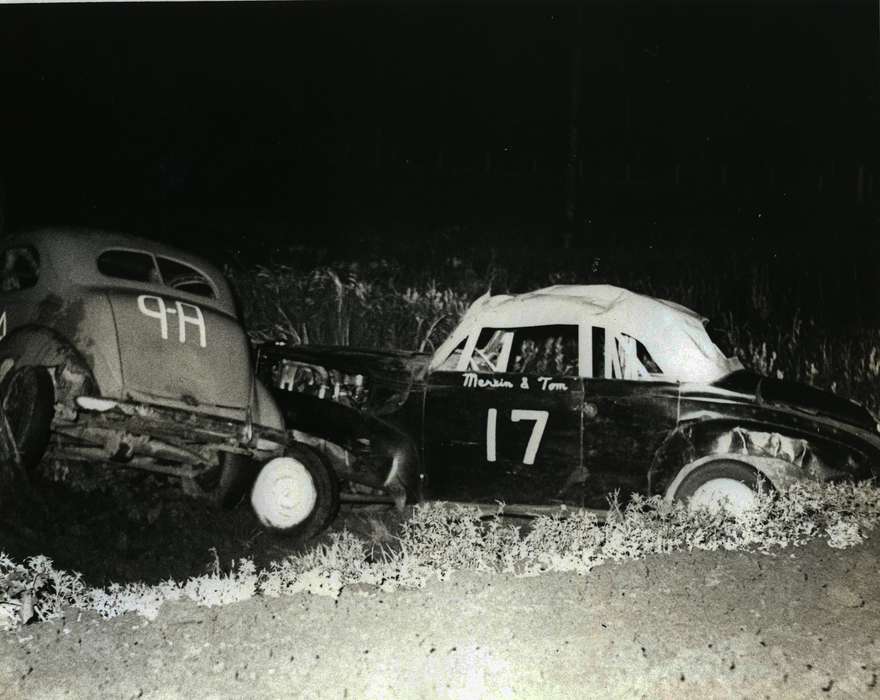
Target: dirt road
<point>802,623</point>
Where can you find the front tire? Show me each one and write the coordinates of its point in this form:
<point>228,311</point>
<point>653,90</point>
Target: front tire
<point>726,481</point>
<point>296,495</point>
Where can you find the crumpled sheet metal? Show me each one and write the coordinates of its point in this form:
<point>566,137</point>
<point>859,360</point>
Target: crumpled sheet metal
<point>752,442</point>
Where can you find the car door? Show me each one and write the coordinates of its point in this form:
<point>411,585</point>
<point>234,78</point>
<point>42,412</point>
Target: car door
<point>629,410</point>
<point>504,424</point>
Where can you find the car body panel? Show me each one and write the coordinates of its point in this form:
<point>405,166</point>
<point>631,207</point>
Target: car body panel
<point>625,423</point>
<point>176,347</point>
<point>502,437</point>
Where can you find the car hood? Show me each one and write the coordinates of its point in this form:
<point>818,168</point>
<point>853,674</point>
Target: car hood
<point>798,397</point>
<point>380,364</point>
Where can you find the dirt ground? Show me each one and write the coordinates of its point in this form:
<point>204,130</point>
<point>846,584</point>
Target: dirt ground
<point>801,623</point>
<point>144,532</point>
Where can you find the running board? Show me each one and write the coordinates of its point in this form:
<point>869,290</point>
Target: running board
<point>486,509</point>
<point>562,510</point>
<point>366,498</point>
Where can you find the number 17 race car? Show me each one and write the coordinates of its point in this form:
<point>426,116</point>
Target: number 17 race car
<point>553,398</point>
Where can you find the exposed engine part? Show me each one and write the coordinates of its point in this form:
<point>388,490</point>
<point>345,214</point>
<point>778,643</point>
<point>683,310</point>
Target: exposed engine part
<point>314,380</point>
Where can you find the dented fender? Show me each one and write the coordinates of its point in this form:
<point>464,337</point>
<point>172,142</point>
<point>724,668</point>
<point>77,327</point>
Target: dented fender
<point>783,457</point>
<point>362,448</point>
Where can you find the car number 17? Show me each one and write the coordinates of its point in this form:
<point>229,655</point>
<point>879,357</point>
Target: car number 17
<point>516,415</point>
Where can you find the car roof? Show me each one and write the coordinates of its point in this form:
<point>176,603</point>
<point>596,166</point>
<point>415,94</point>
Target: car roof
<point>674,334</point>
<point>71,253</point>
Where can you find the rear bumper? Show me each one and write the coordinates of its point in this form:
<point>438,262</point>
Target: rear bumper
<point>133,432</point>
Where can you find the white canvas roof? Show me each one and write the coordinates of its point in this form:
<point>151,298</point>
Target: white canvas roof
<point>673,335</point>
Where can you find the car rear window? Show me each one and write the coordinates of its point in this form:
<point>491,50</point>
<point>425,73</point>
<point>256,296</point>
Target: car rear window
<point>185,278</point>
<point>144,267</point>
<point>128,265</point>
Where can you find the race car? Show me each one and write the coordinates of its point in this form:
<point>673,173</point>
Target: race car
<point>553,400</point>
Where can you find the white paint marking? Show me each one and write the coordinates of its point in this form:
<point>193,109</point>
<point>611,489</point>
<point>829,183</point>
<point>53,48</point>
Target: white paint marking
<point>540,418</point>
<point>198,320</point>
<point>159,312</point>
<point>186,314</point>
<point>491,425</point>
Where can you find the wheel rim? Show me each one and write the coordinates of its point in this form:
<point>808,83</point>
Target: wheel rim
<point>736,496</point>
<point>284,494</point>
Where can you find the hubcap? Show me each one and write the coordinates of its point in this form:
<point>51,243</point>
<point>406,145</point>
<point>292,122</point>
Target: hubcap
<point>736,496</point>
<point>284,493</point>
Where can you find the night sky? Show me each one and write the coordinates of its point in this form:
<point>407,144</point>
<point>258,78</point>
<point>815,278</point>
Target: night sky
<point>308,120</point>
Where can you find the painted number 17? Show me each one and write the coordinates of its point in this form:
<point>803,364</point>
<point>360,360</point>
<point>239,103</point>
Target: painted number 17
<point>516,415</point>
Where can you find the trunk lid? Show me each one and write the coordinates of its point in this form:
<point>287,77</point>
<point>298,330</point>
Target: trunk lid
<point>178,347</point>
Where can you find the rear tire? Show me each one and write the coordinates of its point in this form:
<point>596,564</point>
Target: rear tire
<point>27,406</point>
<point>225,485</point>
<point>709,485</point>
<point>296,496</point>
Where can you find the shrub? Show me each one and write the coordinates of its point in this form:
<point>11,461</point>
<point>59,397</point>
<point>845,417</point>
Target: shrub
<point>439,539</point>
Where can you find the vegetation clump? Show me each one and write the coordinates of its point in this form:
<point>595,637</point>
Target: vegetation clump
<point>439,539</point>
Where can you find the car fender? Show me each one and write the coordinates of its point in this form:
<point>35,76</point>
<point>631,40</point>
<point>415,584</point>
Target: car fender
<point>266,411</point>
<point>361,447</point>
<point>783,457</point>
<point>42,346</point>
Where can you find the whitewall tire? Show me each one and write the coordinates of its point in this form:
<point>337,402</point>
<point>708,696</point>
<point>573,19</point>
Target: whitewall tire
<point>724,481</point>
<point>735,495</point>
<point>295,495</point>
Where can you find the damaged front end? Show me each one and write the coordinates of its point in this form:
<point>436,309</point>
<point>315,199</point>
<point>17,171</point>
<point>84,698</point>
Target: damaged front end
<point>783,458</point>
<point>353,406</point>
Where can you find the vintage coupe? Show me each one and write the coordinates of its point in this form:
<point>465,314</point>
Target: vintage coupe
<point>121,352</point>
<point>557,398</point>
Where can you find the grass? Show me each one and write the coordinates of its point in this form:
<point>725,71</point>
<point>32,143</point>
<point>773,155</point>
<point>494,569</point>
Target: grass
<point>438,540</point>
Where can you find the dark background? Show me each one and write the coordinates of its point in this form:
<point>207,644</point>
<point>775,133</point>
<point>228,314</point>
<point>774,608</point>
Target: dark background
<point>607,123</point>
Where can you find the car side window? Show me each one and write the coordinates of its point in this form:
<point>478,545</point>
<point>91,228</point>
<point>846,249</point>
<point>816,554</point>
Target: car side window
<point>548,350</point>
<point>621,356</point>
<point>21,268</point>
<point>128,265</point>
<point>185,278</point>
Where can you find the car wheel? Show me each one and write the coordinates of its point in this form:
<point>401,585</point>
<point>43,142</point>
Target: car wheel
<point>722,481</point>
<point>225,485</point>
<point>296,495</point>
<point>27,405</point>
